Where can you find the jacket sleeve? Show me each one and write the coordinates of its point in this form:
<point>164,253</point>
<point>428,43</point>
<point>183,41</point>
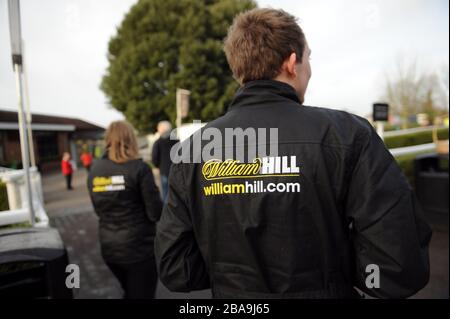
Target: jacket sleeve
<point>150,193</point>
<point>155,154</point>
<point>180,263</point>
<point>388,228</point>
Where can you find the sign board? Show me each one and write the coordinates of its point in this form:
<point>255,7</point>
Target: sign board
<point>15,30</point>
<point>183,102</point>
<point>380,112</point>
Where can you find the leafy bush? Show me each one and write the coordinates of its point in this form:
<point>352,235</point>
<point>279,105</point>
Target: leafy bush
<point>391,127</point>
<point>3,197</point>
<point>406,163</point>
<point>414,138</point>
<point>18,225</point>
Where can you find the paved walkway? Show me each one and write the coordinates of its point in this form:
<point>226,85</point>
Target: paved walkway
<point>72,213</point>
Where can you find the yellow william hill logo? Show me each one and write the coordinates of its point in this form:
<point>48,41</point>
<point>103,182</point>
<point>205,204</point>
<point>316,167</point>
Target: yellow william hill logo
<point>108,183</point>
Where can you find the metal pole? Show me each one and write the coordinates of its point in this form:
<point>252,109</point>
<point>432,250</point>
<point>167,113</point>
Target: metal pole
<point>28,113</point>
<point>24,142</point>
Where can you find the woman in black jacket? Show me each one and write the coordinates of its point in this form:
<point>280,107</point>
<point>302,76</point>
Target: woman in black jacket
<point>127,201</point>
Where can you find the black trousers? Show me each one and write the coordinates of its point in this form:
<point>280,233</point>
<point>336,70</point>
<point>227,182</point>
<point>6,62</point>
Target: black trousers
<point>138,280</point>
<point>69,181</point>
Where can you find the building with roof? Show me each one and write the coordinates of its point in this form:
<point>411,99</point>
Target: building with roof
<point>52,136</point>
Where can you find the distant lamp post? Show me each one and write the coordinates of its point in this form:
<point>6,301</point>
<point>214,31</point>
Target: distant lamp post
<point>16,50</point>
<point>380,115</point>
<point>182,106</point>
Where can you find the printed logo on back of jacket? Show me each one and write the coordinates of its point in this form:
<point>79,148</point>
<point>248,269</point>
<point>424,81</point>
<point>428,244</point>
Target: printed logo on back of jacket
<point>253,175</point>
<point>102,184</point>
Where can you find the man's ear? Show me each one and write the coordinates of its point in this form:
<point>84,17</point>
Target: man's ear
<point>291,62</point>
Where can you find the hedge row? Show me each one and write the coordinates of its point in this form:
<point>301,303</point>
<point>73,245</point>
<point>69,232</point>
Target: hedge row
<point>406,163</point>
<point>3,197</point>
<point>417,138</point>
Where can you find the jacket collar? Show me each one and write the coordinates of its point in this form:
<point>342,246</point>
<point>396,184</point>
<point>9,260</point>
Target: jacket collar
<point>254,92</point>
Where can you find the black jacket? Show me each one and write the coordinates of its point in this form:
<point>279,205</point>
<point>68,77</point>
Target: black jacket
<point>161,154</point>
<point>128,204</point>
<point>348,206</point>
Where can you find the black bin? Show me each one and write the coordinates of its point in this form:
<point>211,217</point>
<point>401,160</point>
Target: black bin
<point>32,264</point>
<point>431,182</point>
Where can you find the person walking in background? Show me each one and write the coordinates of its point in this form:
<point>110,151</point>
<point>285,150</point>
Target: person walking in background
<point>67,169</point>
<point>127,201</point>
<point>161,155</point>
<point>86,159</point>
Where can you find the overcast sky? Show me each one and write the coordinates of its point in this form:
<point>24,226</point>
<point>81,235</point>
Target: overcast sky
<point>354,43</point>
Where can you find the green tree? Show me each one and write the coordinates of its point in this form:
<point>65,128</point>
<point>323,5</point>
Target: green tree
<point>165,44</point>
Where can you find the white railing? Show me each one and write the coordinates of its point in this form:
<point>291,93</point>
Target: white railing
<point>5,169</point>
<point>413,130</point>
<point>17,199</point>
<point>412,149</point>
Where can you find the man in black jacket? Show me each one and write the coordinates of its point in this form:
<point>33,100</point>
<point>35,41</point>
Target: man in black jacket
<point>161,155</point>
<point>327,211</point>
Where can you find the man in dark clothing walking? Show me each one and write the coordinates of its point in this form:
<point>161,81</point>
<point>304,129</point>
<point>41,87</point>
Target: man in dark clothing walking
<point>161,155</point>
<point>328,211</point>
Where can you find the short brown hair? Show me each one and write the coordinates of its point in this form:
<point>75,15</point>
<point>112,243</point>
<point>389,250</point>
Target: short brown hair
<point>259,41</point>
<point>121,142</point>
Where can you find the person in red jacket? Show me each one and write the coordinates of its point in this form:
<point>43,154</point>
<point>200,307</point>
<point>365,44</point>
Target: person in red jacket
<point>86,159</point>
<point>67,169</point>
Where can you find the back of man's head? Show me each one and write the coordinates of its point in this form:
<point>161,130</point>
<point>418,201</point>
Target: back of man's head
<point>259,41</point>
<point>164,128</point>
